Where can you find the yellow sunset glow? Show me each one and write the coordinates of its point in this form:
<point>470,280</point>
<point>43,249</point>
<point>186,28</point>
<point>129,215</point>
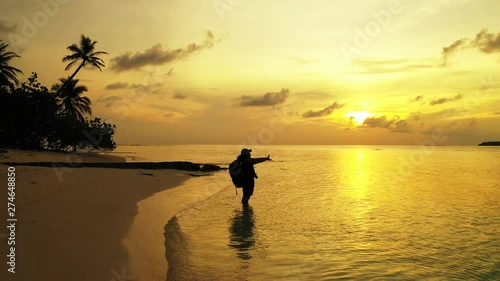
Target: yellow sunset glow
<point>358,116</point>
<point>274,72</point>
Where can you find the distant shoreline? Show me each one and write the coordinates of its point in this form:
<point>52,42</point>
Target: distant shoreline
<point>490,143</point>
<point>17,157</point>
<point>176,165</point>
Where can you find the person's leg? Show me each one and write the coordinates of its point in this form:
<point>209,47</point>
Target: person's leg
<point>247,192</point>
<point>246,196</point>
<point>244,199</point>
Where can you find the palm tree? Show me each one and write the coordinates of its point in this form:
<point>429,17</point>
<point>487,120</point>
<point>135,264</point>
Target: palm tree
<point>7,72</point>
<point>83,53</point>
<point>69,100</point>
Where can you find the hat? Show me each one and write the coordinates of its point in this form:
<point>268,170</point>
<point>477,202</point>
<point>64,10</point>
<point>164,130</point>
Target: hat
<point>246,151</point>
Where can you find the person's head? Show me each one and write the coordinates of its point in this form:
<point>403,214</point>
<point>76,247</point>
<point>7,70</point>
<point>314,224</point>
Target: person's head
<point>245,153</point>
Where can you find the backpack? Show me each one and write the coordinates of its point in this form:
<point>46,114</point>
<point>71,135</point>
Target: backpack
<point>236,173</point>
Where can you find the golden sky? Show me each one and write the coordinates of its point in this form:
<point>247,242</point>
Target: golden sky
<point>275,72</point>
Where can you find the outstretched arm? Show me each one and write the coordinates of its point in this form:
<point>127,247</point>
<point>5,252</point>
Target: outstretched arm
<point>260,160</point>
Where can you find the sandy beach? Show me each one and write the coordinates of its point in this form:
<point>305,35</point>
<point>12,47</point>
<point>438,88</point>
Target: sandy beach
<point>93,223</point>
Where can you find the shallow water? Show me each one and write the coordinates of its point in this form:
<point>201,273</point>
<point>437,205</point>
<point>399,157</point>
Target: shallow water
<point>347,213</point>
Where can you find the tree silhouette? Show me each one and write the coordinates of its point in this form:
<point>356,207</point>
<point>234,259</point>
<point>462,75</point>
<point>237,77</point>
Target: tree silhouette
<point>85,54</point>
<point>70,101</point>
<point>7,72</point>
<point>27,115</point>
<point>32,117</point>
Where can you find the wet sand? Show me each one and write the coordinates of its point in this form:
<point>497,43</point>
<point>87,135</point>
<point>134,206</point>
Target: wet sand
<point>92,223</point>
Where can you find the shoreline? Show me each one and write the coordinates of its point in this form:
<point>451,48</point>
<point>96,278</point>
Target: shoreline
<point>148,261</point>
<point>18,157</point>
<point>95,223</point>
<point>174,165</point>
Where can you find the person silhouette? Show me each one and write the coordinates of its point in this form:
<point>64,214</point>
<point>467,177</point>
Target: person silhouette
<point>248,171</point>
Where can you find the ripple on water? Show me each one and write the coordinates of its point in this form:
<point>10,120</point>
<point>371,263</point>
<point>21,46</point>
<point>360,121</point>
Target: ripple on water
<point>338,215</point>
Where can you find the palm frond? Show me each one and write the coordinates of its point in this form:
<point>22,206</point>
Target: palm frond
<point>70,65</point>
<point>74,48</point>
<point>80,89</point>
<point>8,72</point>
<point>10,76</point>
<point>97,65</point>
<point>84,53</point>
<point>98,53</point>
<point>70,101</point>
<point>71,57</point>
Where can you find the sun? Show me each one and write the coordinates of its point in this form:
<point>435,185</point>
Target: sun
<point>358,116</point>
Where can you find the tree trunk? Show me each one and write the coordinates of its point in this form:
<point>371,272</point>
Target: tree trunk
<point>76,71</point>
<point>70,78</point>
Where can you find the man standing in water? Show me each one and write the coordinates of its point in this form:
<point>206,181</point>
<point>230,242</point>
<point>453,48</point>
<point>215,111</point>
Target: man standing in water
<point>248,172</point>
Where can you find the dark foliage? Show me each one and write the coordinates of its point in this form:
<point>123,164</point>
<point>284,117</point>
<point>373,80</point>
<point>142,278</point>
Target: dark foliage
<point>30,118</point>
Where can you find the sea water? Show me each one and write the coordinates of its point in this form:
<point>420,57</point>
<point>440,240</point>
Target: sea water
<point>341,213</point>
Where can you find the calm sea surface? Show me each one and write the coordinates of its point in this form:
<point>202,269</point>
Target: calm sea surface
<point>341,213</point>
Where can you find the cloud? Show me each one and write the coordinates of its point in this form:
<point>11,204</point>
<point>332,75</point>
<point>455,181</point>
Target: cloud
<point>417,98</point>
<point>164,107</point>
<point>156,55</point>
<point>448,113</point>
<point>268,99</point>
<point>445,100</point>
<point>401,126</point>
<point>484,41</point>
<point>489,87</point>
<point>109,100</point>
<point>396,124</point>
<point>150,88</point>
<point>172,109</point>
<point>487,42</point>
<point>116,86</point>
<point>377,66</point>
<point>134,88</point>
<point>451,49</point>
<point>179,96</point>
<point>459,127</point>
<point>323,112</point>
<point>6,27</point>
<point>377,122</point>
